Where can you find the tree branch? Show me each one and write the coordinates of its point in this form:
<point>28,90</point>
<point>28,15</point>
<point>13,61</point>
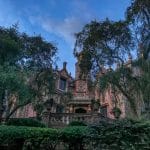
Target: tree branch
<point>15,109</point>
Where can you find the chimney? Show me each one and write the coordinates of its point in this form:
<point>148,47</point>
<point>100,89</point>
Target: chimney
<point>64,65</point>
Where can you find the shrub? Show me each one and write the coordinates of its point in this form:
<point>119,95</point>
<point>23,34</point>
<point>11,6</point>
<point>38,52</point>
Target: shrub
<point>27,137</point>
<point>74,137</point>
<point>77,123</point>
<point>25,122</point>
<point>123,135</point>
<point>41,138</point>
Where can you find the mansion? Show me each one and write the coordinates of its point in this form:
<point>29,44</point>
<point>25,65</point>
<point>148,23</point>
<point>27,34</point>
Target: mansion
<point>78,99</point>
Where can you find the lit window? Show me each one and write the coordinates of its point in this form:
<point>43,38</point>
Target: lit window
<point>62,84</point>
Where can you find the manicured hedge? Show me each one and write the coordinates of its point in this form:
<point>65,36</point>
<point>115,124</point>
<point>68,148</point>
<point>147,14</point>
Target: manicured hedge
<point>35,138</point>
<point>74,137</point>
<point>118,135</point>
<point>77,123</point>
<point>25,122</point>
<point>27,136</point>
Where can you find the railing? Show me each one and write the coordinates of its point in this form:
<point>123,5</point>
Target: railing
<point>62,119</point>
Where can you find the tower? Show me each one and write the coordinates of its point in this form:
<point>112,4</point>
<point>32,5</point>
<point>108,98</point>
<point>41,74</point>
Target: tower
<point>81,83</point>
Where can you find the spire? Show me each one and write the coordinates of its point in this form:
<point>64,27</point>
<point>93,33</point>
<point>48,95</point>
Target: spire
<point>64,65</point>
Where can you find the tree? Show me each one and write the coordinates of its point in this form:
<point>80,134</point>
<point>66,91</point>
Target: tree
<point>108,43</point>
<point>14,91</point>
<point>103,44</point>
<point>138,17</point>
<point>23,58</point>
<point>43,84</point>
<point>10,45</point>
<point>40,56</point>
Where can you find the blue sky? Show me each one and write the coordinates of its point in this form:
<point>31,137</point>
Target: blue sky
<point>58,20</point>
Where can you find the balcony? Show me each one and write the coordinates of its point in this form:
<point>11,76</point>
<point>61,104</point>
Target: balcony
<point>63,119</point>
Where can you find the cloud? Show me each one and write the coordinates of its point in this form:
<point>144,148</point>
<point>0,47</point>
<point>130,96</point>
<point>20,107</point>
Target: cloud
<point>64,29</point>
<point>79,15</point>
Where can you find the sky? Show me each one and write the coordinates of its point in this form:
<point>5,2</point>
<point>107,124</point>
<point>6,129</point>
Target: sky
<point>58,20</point>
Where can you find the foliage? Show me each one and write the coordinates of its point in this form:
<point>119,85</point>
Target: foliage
<point>41,138</point>
<point>77,123</point>
<point>30,137</point>
<point>117,112</point>
<point>39,54</point>
<point>25,122</point>
<point>112,135</point>
<point>123,134</point>
<point>104,47</point>
<point>43,84</point>
<point>10,45</point>
<point>74,137</point>
<point>102,43</point>
<point>143,80</point>
<point>123,80</point>
<point>25,68</point>
<point>95,104</point>
<point>138,16</point>
<point>14,91</point>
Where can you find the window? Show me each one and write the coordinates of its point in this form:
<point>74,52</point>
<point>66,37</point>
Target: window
<point>62,84</point>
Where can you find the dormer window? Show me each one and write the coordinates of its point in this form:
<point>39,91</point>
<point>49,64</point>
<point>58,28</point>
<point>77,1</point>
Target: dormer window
<point>62,84</point>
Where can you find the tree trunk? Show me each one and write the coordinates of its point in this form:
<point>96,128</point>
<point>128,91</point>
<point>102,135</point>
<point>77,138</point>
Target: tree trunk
<point>15,109</point>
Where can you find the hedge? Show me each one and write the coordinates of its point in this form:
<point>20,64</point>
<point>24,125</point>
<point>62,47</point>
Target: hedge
<point>122,135</point>
<point>25,122</point>
<point>35,138</point>
<point>77,123</point>
<point>28,136</point>
<point>118,135</point>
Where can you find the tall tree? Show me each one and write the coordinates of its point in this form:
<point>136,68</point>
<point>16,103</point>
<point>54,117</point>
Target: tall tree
<point>40,57</point>
<point>109,43</point>
<point>23,58</point>
<point>138,17</point>
<point>103,44</point>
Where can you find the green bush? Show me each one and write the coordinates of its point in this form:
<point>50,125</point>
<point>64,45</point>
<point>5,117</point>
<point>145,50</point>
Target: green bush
<point>41,138</point>
<point>122,134</point>
<point>74,137</point>
<point>77,123</point>
<point>115,135</point>
<point>27,137</point>
<point>25,122</point>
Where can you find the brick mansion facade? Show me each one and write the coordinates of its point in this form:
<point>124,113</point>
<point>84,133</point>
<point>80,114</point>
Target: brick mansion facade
<point>78,99</point>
